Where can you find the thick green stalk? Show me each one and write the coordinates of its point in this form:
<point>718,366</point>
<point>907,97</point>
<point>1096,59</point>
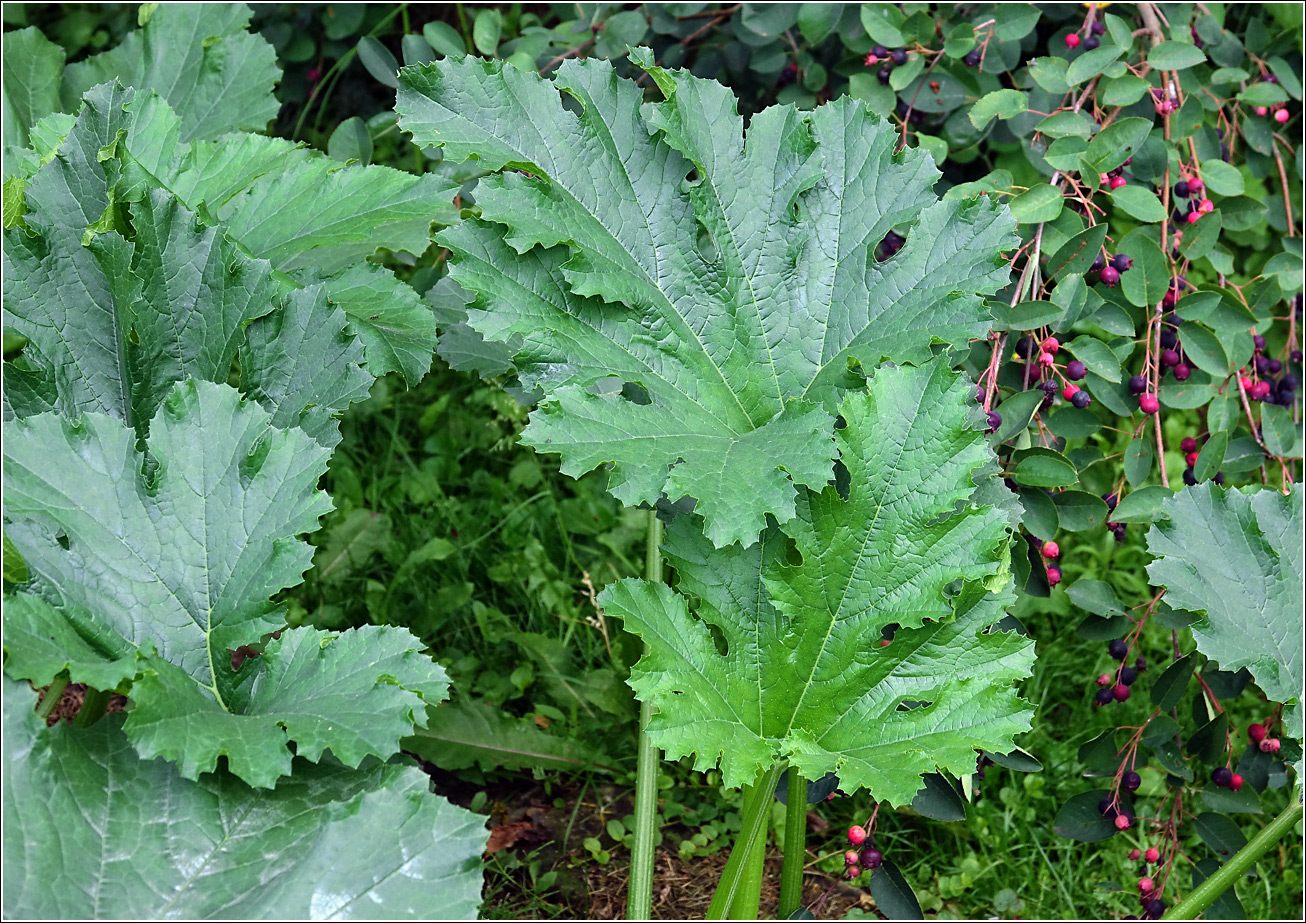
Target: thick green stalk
<point>52,693</point>
<point>93,706</point>
<point>791,873</point>
<point>748,897</point>
<point>757,811</point>
<point>1205,894</point>
<point>639,897</point>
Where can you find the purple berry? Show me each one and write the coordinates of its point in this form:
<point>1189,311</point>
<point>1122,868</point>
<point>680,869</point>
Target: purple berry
<point>1120,692</point>
<point>1025,347</point>
<point>1258,341</point>
<point>1130,781</point>
<point>1111,500</point>
<point>972,58</point>
<point>1098,263</point>
<point>1128,675</point>
<point>1169,339</point>
<point>1075,370</point>
<point>1122,263</point>
<point>1169,358</point>
<point>1137,384</point>
<point>1295,356</point>
<point>1181,189</point>
<point>1182,371</point>
<point>1092,42</point>
<point>872,858</point>
<point>1110,276</point>
<point>1081,399</point>
<point>883,74</point>
<point>1222,776</point>
<point>994,420</point>
<point>1140,663</point>
<point>1104,697</point>
<point>1098,27</point>
<point>1190,476</point>
<point>898,56</point>
<point>1117,649</point>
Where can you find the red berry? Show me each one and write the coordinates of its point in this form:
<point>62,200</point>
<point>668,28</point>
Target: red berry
<point>1120,692</point>
<point>1195,185</point>
<point>1188,444</point>
<point>856,835</point>
<point>1117,182</point>
<point>1148,403</point>
<point>1193,216</point>
<point>1191,458</point>
<point>1246,383</point>
<point>1069,391</point>
<point>1134,854</point>
<point>1146,884</point>
<point>1122,822</point>
<point>1182,371</point>
<point>1072,40</point>
<point>1051,550</point>
<point>1235,783</point>
<point>1051,345</point>
<point>872,60</point>
<point>1152,855</point>
<point>1054,575</point>
<point>1256,733</point>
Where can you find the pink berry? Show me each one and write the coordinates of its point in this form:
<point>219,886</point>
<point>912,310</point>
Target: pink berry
<point>1072,40</point>
<point>1054,575</point>
<point>856,835</point>
<point>1193,216</point>
<point>1148,403</point>
<point>1152,855</point>
<point>1260,391</point>
<point>1104,679</point>
<point>850,857</point>
<point>1256,733</point>
<point>1117,182</point>
<point>1110,276</point>
<point>1045,360</point>
<point>1122,822</point>
<point>1134,854</point>
<point>1246,383</point>
<point>1270,745</point>
<point>1262,111</point>
<point>854,871</point>
<point>1051,550</point>
<point>1146,884</point>
<point>1281,116</point>
<point>1195,185</point>
<point>1104,179</point>
<point>1206,206</point>
<point>1235,783</point>
<point>1051,345</point>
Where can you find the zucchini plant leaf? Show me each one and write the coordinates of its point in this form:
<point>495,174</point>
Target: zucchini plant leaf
<point>727,285</point>
<point>118,301</point>
<point>197,56</point>
<point>173,558</point>
<point>92,830</point>
<point>784,661</point>
<point>311,217</point>
<point>30,90</point>
<point>1236,558</point>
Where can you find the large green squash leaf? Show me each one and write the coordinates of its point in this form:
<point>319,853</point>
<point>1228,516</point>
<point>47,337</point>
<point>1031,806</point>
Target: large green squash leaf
<point>159,569</point>
<point>729,284</point>
<point>115,312</point>
<point>803,676</point>
<point>32,67</point>
<point>91,831</point>
<point>1236,557</point>
<point>197,56</point>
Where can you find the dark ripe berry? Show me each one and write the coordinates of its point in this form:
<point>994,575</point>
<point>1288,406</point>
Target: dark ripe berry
<point>1120,692</point>
<point>898,57</point>
<point>1110,276</point>
<point>1091,42</point>
<point>1081,399</point>
<point>1289,382</point>
<point>1183,371</point>
<point>1128,675</point>
<point>1269,78</point>
<point>994,420</point>
<point>1187,444</point>
<point>1118,528</point>
<point>1048,387</point>
<point>1275,366</point>
<point>1117,649</point>
<point>1104,697</point>
<point>1190,476</point>
<point>883,74</point>
<point>1148,403</point>
<point>1219,478</point>
<point>1122,263</point>
<point>1169,339</point>
<point>1104,808</point>
<point>1262,365</point>
<point>1258,341</point>
<point>1295,356</point>
<point>1075,370</point>
<point>1169,358</point>
<point>1098,27</point>
<point>880,51</point>
<point>1025,347</point>
<point>1222,776</point>
<point>979,394</point>
<point>1111,500</point>
<point>972,58</point>
<point>1137,384</point>
<point>1140,663</point>
<point>1181,189</point>
<point>1098,263</point>
<point>872,858</point>
<point>1130,781</point>
<point>1155,908</point>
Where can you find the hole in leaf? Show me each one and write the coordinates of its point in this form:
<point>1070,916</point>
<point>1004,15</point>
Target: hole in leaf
<point>719,640</point>
<point>912,705</point>
<point>62,539</point>
<point>843,481</point>
<point>793,557</point>
<point>636,393</point>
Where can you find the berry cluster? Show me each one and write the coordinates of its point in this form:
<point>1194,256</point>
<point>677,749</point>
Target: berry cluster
<point>1115,685</point>
<point>1089,41</point>
<point>1043,356</point>
<point>888,59</point>
<point>864,855</point>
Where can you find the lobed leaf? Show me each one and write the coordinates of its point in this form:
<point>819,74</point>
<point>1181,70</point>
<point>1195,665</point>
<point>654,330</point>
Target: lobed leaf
<point>803,676</point>
<point>728,280</point>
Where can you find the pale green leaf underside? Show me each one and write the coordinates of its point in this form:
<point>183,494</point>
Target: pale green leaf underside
<point>198,56</point>
<point>91,831</point>
<point>804,677</point>
<point>1237,558</point>
<point>465,733</point>
<point>737,299</point>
